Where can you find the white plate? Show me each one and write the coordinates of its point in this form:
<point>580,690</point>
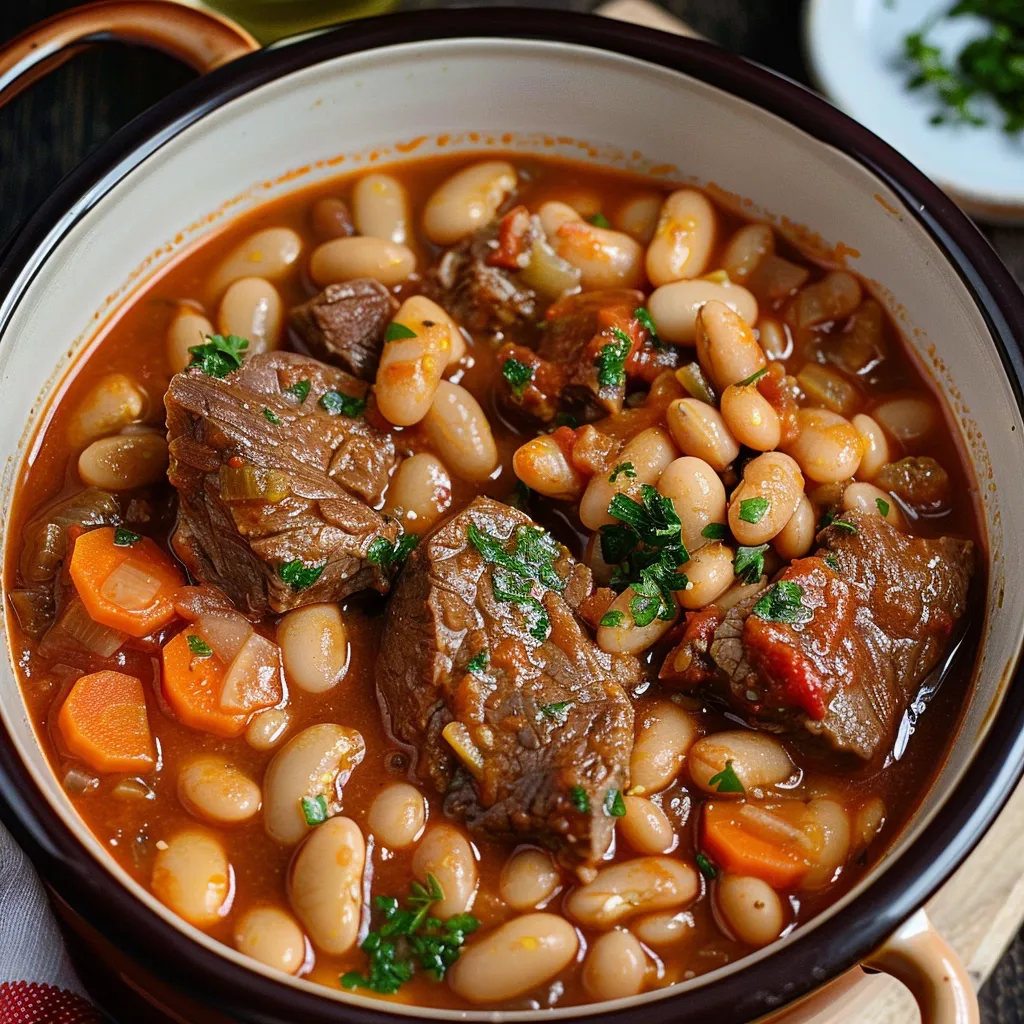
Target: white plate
<point>854,48</point>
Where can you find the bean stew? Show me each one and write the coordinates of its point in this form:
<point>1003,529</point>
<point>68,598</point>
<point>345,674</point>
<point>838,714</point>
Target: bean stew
<point>494,582</point>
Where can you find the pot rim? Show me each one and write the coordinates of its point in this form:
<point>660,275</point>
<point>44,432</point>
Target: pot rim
<point>777,977</point>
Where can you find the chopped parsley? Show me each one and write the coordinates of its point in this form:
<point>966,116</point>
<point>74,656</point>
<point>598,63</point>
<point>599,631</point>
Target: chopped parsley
<point>614,805</point>
<point>752,510</point>
<point>753,378</point>
<point>337,403</point>
<point>613,619</point>
<point>299,391</point>
<point>611,360</point>
<point>831,519</point>
<point>555,710</point>
<point>479,662</point>
<point>882,506</point>
<point>748,565</point>
<point>832,562</point>
<point>647,322</point>
<point>705,867</point>
<point>314,810</point>
<point>727,781</point>
<point>518,376</point>
<point>599,220</point>
<point>271,416</point>
<point>381,552</point>
<point>298,575</point>
<point>783,602</point>
<point>397,331</point>
<point>714,531</point>
<point>219,355</point>
<point>579,799</point>
<point>626,469</point>
<point>198,647</point>
<point>125,538</point>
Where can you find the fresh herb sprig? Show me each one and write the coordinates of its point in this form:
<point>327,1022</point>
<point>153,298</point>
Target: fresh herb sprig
<point>218,355</point>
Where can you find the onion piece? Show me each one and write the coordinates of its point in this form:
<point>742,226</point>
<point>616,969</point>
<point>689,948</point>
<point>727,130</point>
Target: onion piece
<point>78,781</point>
<point>691,376</point>
<point>457,736</point>
<point>225,632</point>
<point>46,537</point>
<point>34,608</point>
<point>254,679</point>
<point>76,629</point>
<point>829,389</point>
<point>548,274</point>
<point>250,483</point>
<point>191,602</point>
<point>130,587</point>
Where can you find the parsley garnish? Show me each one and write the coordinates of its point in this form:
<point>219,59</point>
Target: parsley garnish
<point>611,360</point>
<point>479,662</point>
<point>748,565</point>
<point>382,553</point>
<point>752,510</point>
<point>832,562</point>
<point>314,810</point>
<point>555,710</point>
<point>831,519</point>
<point>219,355</point>
<point>124,538</point>
<point>299,391</point>
<point>614,804</point>
<point>397,331</point>
<point>714,531</point>
<point>198,647</point>
<point>599,220</point>
<point>580,800</point>
<point>783,602</point>
<point>647,321</point>
<point>705,867</point>
<point>271,416</point>
<point>753,378</point>
<point>298,575</point>
<point>883,506</point>
<point>337,403</point>
<point>613,619</point>
<point>727,781</point>
<point>626,469</point>
<point>518,376</point>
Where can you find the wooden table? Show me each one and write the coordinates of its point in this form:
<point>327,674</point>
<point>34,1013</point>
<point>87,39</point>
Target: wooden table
<point>50,129</point>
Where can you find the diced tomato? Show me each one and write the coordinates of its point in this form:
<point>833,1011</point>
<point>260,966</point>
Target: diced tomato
<point>792,679</point>
<point>513,240</point>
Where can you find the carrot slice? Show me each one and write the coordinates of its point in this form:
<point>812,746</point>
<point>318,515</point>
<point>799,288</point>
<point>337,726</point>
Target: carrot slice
<point>103,721</point>
<point>127,586</point>
<point>193,683</point>
<point>730,843</point>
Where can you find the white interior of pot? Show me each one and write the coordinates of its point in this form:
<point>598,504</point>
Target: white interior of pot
<point>552,99</point>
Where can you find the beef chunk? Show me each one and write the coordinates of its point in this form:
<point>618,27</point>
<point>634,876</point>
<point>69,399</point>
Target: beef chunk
<point>518,683</point>
<point>344,325</point>
<point>840,643</point>
<point>275,493</point>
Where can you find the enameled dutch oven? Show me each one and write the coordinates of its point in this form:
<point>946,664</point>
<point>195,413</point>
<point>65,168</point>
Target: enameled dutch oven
<point>261,124</point>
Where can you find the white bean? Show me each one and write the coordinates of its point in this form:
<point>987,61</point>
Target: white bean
<point>267,728</point>
<point>646,827</point>
<point>638,216</point>
<point>420,492</point>
<point>188,329</point>
<point>468,200</point>
<point>774,338</point>
<point>325,884</point>
<point>269,253</point>
<point>750,417</point>
<point>124,462</point>
<point>626,637</point>
<point>445,853</point>
<point>604,258</point>
<point>460,432</point>
<point>252,308</point>
<point>330,218</point>
<point>346,259</point>
<point>828,447</point>
<point>710,572</point>
<point>907,419</point>
<point>664,928</point>
<point>746,249</point>
<point>310,765</point>
<point>397,815</point>
<point>521,955</point>
<point>834,297</point>
<point>697,495</point>
<point>868,822</point>
<point>528,879</point>
<point>633,887</point>
<point>827,826</point>
<point>314,646</point>
<point>192,876</point>
<point>876,446</point>
<point>751,909</point>
<point>766,499</point>
<point>683,238</point>
<point>380,208</point>
<point>864,497</point>
<point>758,760</point>
<point>700,431</point>
<point>726,346</point>
<point>796,538</point>
<point>112,403</point>
<point>664,734</point>
<point>615,967</point>
<point>214,789</point>
<point>542,465</point>
<point>271,936</point>
<point>674,307</point>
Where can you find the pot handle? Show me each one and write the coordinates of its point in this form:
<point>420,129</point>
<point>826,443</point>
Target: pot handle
<point>927,964</point>
<point>202,40</point>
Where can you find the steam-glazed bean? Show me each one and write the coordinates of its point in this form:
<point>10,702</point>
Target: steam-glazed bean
<point>875,444</point>
<point>192,876</point>
<point>188,329</point>
<point>710,573</point>
<point>759,760</point>
<point>774,338</point>
<point>664,735</point>
<point>269,254</point>
<point>397,815</point>
<point>868,822</point>
<point>773,478</point>
<point>445,853</point>
<point>827,826</point>
<point>746,249</point>
<point>834,297</point>
<point>907,419</point>
<point>796,538</point>
<point>420,492</point>
<point>651,452</point>
<point>514,959</point>
<point>633,887</point>
<point>828,447</point>
<point>683,238</point>
<point>700,431</point>
<point>542,465</point>
<point>615,967</point>
<point>468,200</point>
<point>314,647</point>
<point>604,258</point>
<point>726,346</point>
<point>626,637</point>
<point>218,791</point>
<point>528,879</point>
<point>124,462</point>
<point>697,495</point>
<point>331,218</point>
<point>272,937</point>
<point>751,909</point>
<point>664,928</point>
<point>267,728</point>
<point>674,307</point>
<point>345,259</point>
<point>750,417</point>
<point>638,216</point>
<point>864,497</point>
<point>460,431</point>
<point>645,826</point>
<point>252,308</point>
<point>310,765</point>
<point>380,207</point>
<point>325,884</point>
<point>112,403</point>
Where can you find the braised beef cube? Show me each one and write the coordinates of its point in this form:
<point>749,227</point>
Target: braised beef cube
<point>486,672</point>
<point>345,324</point>
<point>277,477</point>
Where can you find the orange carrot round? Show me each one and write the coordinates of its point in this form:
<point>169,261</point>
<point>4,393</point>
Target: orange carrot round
<point>192,686</point>
<point>733,847</point>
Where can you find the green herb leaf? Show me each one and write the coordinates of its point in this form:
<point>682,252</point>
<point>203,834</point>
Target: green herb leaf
<point>883,506</point>
<point>647,321</point>
<point>381,552</point>
<point>748,564</point>
<point>271,416</point>
<point>599,220</point>
<point>613,619</point>
<point>124,538</point>
<point>518,376</point>
<point>753,378</point>
<point>839,524</point>
<point>555,710</point>
<point>314,810</point>
<point>626,469</point>
<point>752,510</point>
<point>299,391</point>
<point>219,355</point>
<point>298,575</point>
<point>397,331</point>
<point>614,804</point>
<point>337,403</point>
<point>783,602</point>
<point>832,562</point>
<point>198,647</point>
<point>479,662</point>
<point>611,360</point>
<point>705,867</point>
<point>727,781</point>
<point>714,531</point>
<point>579,799</point>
